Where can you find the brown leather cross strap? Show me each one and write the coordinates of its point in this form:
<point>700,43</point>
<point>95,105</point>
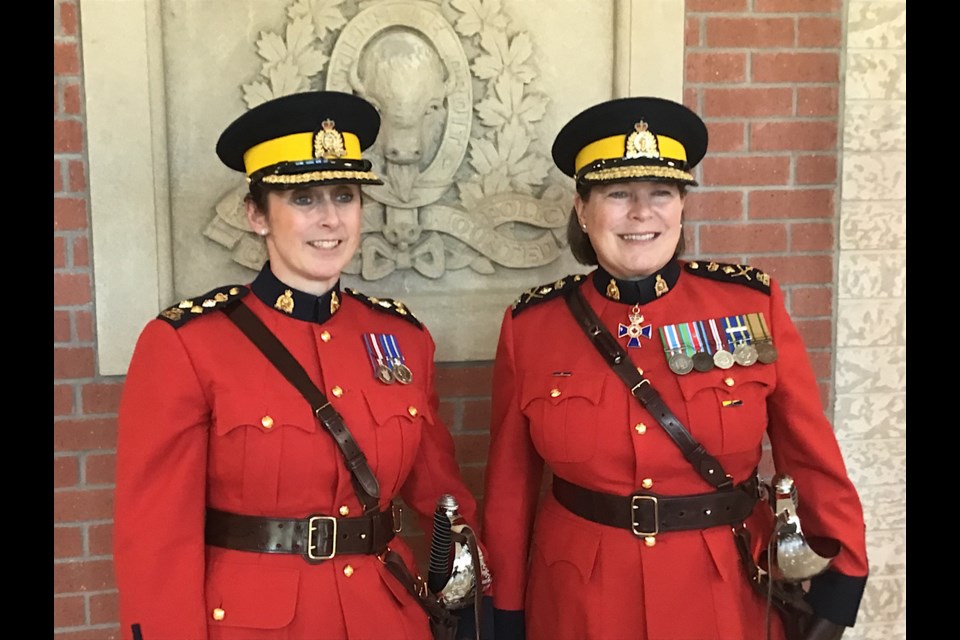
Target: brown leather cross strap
<point>706,465</point>
<point>364,482</point>
<point>316,538</point>
<point>647,514</point>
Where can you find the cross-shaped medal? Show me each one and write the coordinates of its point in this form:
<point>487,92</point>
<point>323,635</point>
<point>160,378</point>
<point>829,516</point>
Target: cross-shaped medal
<point>634,330</point>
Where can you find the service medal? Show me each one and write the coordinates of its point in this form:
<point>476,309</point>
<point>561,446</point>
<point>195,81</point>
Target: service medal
<point>721,357</point>
<point>745,354</point>
<point>766,352</point>
<point>680,363</point>
<point>634,331</point>
<point>702,360</point>
<point>401,372</point>
<point>381,371</point>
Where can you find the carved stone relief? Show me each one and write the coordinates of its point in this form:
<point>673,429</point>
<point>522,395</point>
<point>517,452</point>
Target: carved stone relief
<point>465,178</point>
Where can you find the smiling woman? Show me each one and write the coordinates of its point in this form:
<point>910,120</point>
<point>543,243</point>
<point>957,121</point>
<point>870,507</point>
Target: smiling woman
<point>644,529</point>
<point>266,430</point>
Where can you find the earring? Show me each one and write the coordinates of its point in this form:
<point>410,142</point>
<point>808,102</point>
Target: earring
<point>263,232</point>
<point>583,226</point>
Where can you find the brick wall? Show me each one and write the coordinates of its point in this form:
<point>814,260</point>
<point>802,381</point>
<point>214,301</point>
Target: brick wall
<point>765,76</point>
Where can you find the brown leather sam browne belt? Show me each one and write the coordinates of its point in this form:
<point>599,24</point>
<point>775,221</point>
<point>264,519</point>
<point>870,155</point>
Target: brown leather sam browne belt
<point>316,538</point>
<point>647,514</point>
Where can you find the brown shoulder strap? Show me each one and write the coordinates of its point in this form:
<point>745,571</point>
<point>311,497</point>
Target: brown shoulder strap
<point>364,482</point>
<point>706,465</point>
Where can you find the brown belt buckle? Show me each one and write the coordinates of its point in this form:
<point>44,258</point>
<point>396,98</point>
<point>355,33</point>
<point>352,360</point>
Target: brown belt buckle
<point>311,528</point>
<point>635,505</point>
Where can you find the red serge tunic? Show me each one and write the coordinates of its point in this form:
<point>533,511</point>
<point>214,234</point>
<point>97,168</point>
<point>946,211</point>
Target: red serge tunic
<point>556,401</point>
<point>207,421</point>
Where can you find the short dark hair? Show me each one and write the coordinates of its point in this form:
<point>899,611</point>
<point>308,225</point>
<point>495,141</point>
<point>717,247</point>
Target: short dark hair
<point>580,246</point>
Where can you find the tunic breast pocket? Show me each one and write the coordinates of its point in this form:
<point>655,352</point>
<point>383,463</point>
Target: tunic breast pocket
<point>728,409</point>
<point>399,414</point>
<point>563,414</point>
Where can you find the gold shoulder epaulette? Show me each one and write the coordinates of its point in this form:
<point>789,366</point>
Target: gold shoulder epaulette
<point>736,273</point>
<point>387,305</point>
<point>544,292</point>
<point>185,310</point>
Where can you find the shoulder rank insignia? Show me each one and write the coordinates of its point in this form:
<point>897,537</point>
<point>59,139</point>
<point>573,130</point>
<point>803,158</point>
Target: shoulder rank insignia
<point>737,273</point>
<point>387,305</point>
<point>544,292</point>
<point>178,314</point>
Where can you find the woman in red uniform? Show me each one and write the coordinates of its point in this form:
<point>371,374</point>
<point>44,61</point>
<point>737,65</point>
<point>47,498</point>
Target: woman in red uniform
<point>243,510</point>
<point>635,536</point>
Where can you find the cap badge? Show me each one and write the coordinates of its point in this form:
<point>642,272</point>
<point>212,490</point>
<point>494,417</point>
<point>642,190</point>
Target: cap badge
<point>641,143</point>
<point>328,142</point>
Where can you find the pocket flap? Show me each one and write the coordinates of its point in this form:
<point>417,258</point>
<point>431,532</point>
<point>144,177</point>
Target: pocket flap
<point>402,402</point>
<point>556,389</point>
<point>265,413</point>
<point>238,590</point>
<point>721,379</point>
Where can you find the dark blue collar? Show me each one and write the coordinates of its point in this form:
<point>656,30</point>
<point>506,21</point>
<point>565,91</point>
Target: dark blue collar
<point>293,302</point>
<point>640,291</point>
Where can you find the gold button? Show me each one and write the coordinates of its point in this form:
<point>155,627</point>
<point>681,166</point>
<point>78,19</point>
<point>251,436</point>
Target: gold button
<point>344,510</point>
<point>728,382</point>
<point>266,421</point>
<point>337,392</point>
<point>218,614</point>
<point>325,336</point>
<point>647,483</point>
<point>348,571</point>
<point>639,370</point>
<point>412,411</point>
<point>554,393</point>
<point>649,541</point>
<point>641,428</point>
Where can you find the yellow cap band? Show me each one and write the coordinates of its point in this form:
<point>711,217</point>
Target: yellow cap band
<point>293,148</point>
<point>612,148</point>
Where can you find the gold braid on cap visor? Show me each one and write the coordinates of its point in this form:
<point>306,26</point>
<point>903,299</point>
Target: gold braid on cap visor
<point>670,152</point>
<point>303,147</point>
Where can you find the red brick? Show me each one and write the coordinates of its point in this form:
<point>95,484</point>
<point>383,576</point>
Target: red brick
<point>56,96</point>
<point>815,333</point>
<point>67,542</point>
<point>791,203</point>
<point>473,478</point>
<point>67,136</point>
<point>458,381</point>
<point>805,136</point>
<point>66,60</point>
<point>797,269</point>
<point>826,395</point>
<point>715,67</point>
<point>76,176</point>
<point>751,32</point>
<point>84,434</point>
<point>819,32</point>
<point>713,205</point>
<point>66,471</point>
<point>83,320</point>
<point>727,136</point>
<point>795,67</point>
<point>69,214</point>
<point>821,364</point>
<point>811,236</point>
<point>61,326</point>
<point>742,238</point>
<point>811,301</point>
<point>746,170</point>
<point>818,169</point>
<point>476,415</point>
<point>748,102</point>
<point>75,505</point>
<point>62,399</point>
<point>448,414</point>
<point>100,539</point>
<point>68,19</point>
<point>68,611</point>
<point>471,447</point>
<point>104,607</point>
<point>817,101</point>
<point>81,252</point>
<point>691,99</point>
<point>100,398</point>
<point>71,288</point>
<point>96,634</point>
<point>693,6</point>
<point>100,468</point>
<point>75,577</point>
<point>72,363</point>
<point>796,6</point>
<point>691,32</point>
<point>71,99</point>
<point>57,176</point>
<point>59,252</point>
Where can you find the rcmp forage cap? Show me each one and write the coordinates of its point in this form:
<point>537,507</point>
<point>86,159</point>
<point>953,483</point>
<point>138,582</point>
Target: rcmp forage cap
<point>638,138</point>
<point>303,139</point>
